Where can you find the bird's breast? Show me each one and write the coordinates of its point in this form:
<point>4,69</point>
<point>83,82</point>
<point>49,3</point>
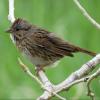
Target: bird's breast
<point>36,60</point>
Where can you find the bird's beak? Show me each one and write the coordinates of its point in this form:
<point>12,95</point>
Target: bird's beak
<point>9,31</point>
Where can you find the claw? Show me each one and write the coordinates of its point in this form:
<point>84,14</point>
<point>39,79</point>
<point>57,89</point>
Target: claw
<point>38,69</point>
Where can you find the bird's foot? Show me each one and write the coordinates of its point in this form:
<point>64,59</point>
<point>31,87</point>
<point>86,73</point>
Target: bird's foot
<point>38,69</point>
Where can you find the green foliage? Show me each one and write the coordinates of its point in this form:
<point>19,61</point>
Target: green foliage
<point>66,20</point>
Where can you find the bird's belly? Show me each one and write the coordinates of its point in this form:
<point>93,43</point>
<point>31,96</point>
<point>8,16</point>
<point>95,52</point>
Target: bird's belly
<point>39,61</point>
<point>36,60</point>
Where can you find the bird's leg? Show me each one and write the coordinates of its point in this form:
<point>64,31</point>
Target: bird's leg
<point>38,68</point>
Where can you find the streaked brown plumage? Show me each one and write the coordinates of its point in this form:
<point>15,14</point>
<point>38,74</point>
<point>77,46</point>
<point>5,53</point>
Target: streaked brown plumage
<point>42,47</point>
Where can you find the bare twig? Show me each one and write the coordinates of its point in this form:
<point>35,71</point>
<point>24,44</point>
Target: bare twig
<point>51,90</point>
<point>85,13</point>
<point>46,85</point>
<point>83,71</point>
<point>92,77</point>
<point>26,69</point>
<point>75,77</point>
<point>11,17</point>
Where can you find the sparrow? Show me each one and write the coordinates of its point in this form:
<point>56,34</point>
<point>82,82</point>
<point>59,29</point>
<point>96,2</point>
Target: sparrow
<point>42,47</point>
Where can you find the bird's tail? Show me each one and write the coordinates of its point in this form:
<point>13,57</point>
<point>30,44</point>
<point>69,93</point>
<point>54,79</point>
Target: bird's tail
<point>86,51</point>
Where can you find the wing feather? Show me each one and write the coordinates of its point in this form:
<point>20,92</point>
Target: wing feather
<point>52,44</point>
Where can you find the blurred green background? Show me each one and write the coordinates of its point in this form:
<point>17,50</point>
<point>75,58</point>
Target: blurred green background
<point>65,19</point>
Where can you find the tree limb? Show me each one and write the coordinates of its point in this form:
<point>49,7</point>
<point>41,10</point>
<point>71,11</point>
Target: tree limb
<point>44,83</point>
<point>92,77</point>
<point>85,13</point>
<point>74,78</point>
<point>11,17</point>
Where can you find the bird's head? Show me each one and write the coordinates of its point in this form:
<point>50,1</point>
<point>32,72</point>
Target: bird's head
<point>18,26</point>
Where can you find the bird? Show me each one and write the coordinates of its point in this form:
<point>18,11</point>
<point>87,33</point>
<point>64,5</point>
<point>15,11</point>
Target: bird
<point>41,47</point>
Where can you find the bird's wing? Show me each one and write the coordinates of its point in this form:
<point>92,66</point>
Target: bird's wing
<point>52,44</point>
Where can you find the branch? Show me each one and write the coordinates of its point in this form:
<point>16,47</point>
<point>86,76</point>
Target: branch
<point>85,13</point>
<point>74,78</point>
<point>44,83</point>
<point>92,77</point>
<point>26,70</point>
<point>11,17</point>
<point>83,71</point>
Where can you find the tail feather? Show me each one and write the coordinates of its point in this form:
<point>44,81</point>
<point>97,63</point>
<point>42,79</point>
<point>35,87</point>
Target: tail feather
<point>87,52</point>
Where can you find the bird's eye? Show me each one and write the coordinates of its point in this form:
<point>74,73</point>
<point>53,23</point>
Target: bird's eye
<point>18,27</point>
